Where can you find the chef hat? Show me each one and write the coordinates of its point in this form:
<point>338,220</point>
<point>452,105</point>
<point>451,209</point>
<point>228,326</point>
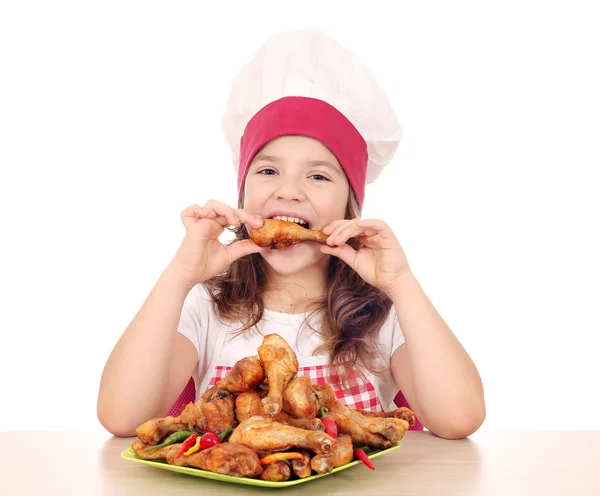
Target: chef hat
<point>305,83</point>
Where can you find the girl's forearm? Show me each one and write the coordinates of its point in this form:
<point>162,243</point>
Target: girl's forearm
<point>136,375</point>
<point>447,385</point>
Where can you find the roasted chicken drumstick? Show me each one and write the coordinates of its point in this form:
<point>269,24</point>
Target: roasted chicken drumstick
<point>248,405</point>
<point>263,434</point>
<point>226,458</point>
<point>281,365</point>
<point>377,432</point>
<point>301,467</point>
<point>299,398</point>
<point>139,447</point>
<point>245,375</point>
<point>277,472</point>
<point>400,413</point>
<point>342,453</point>
<point>215,413</point>
<point>280,234</point>
<point>154,430</point>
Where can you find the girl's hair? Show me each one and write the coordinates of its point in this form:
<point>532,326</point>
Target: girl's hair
<point>351,313</point>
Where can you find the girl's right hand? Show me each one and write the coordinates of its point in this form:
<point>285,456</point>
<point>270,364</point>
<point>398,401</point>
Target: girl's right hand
<point>201,255</point>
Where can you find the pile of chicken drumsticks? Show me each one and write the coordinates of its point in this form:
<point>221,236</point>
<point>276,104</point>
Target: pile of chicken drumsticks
<point>273,417</point>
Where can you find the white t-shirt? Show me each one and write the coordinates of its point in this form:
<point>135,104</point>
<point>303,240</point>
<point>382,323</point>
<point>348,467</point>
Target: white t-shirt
<point>220,347</point>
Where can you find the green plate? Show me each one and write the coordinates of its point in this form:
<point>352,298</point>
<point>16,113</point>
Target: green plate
<point>129,454</point>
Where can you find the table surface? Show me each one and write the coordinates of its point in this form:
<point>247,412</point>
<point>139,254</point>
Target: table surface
<point>500,462</point>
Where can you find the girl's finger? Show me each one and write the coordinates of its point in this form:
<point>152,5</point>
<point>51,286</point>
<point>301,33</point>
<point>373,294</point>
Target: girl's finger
<point>224,221</point>
<point>375,242</point>
<point>222,210</point>
<point>344,232</point>
<point>242,248</point>
<point>248,218</point>
<point>339,227</point>
<point>212,215</point>
<point>344,252</point>
<point>193,211</point>
<point>328,229</point>
<point>372,229</point>
<point>376,226</point>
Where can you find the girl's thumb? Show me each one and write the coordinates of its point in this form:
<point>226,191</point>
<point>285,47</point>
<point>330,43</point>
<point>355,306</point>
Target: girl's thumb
<point>242,248</point>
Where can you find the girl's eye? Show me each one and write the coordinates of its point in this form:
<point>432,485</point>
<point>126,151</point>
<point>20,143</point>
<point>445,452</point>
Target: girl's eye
<point>267,172</point>
<point>320,177</point>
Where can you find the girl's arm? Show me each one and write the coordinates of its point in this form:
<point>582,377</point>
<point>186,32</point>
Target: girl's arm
<point>151,363</point>
<point>434,372</point>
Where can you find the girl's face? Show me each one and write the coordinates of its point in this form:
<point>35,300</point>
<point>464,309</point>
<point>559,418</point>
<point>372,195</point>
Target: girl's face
<point>296,176</point>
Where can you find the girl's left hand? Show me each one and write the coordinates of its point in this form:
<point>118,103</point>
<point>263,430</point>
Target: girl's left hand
<point>380,261</point>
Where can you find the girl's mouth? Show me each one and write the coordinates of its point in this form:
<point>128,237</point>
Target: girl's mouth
<point>296,220</point>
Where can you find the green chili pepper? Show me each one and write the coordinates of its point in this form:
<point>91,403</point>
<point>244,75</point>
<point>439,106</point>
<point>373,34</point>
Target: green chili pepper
<point>224,434</point>
<point>285,461</point>
<point>176,437</point>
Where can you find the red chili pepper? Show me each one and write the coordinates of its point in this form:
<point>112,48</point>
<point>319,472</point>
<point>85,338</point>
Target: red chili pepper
<point>362,456</point>
<point>330,427</point>
<point>209,440</point>
<point>186,445</point>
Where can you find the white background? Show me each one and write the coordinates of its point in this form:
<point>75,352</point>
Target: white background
<point>110,125</point>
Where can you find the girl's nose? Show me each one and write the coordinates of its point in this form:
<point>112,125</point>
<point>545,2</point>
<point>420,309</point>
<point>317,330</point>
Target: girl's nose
<point>290,189</point>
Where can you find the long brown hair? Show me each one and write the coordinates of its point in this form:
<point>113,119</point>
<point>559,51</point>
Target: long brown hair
<point>351,312</point>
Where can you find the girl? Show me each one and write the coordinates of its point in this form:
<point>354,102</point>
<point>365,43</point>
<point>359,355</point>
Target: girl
<point>352,309</point>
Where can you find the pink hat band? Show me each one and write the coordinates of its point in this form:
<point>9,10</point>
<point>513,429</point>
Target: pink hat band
<point>295,115</point>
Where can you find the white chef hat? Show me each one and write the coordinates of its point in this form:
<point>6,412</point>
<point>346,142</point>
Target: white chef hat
<point>340,103</point>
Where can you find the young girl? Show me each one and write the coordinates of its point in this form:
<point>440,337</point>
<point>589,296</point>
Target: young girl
<point>305,142</point>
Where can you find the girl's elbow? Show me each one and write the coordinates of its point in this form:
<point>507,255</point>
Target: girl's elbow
<point>115,424</point>
<point>461,425</point>
<point>118,430</point>
<point>466,424</point>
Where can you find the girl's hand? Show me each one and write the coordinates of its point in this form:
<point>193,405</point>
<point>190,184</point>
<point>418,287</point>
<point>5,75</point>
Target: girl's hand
<point>380,261</point>
<point>201,254</point>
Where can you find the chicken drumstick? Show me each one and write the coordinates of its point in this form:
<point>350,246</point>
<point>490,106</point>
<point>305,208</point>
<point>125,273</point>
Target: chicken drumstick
<point>280,234</point>
<point>246,374</point>
<point>377,432</point>
<point>263,434</point>
<point>281,365</point>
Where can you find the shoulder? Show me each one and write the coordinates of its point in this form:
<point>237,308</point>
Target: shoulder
<point>390,321</point>
<point>199,300</point>
<point>201,292</point>
<point>390,333</point>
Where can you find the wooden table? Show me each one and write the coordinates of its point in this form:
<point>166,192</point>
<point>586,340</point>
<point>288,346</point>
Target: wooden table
<point>507,463</point>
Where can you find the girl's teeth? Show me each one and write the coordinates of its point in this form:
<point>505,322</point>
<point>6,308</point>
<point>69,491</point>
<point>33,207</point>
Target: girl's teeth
<point>289,219</point>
